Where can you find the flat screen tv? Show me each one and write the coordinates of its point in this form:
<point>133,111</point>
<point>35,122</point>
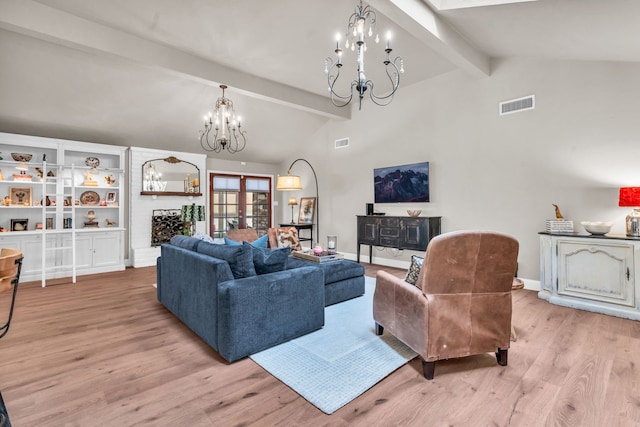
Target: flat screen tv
<point>402,184</point>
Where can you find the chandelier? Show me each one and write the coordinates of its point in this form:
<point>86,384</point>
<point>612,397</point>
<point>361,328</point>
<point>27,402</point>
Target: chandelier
<point>361,27</point>
<point>228,132</point>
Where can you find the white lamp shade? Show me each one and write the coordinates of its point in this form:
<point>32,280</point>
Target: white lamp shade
<point>289,183</point>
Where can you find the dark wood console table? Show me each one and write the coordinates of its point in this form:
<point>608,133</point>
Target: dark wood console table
<point>399,232</point>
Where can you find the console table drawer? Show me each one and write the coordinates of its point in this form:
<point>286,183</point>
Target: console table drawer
<point>390,222</point>
<point>388,242</point>
<point>389,232</point>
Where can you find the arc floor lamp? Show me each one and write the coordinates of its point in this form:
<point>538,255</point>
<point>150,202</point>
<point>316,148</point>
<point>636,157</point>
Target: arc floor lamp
<point>290,182</point>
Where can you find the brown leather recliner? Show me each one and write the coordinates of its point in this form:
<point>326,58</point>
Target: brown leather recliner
<point>461,303</point>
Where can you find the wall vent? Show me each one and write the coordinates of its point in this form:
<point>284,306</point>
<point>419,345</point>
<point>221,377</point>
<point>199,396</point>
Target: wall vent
<point>342,143</point>
<point>517,105</point>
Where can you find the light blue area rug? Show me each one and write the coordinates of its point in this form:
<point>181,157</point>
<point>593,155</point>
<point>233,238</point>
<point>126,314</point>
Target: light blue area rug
<point>338,363</point>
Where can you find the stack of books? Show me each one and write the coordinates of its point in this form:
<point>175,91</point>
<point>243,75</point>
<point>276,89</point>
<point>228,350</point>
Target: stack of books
<point>559,226</point>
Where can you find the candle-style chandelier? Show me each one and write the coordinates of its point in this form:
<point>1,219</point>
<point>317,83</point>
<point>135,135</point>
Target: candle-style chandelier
<point>361,26</point>
<point>228,131</point>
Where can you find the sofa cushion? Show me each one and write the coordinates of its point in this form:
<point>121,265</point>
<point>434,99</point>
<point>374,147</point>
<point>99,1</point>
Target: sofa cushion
<point>185,242</point>
<point>269,260</point>
<point>334,271</point>
<point>240,258</point>
<point>414,269</point>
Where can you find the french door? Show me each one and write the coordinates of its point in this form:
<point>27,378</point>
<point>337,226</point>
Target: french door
<point>239,201</point>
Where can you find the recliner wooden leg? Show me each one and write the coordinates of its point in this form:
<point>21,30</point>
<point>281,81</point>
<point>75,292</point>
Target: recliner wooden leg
<point>379,329</point>
<point>428,369</point>
<point>502,357</point>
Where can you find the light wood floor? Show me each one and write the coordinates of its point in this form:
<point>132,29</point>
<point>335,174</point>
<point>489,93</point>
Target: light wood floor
<point>104,352</point>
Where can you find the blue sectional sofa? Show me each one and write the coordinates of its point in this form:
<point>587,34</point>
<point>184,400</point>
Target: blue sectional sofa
<point>216,292</point>
<point>242,299</point>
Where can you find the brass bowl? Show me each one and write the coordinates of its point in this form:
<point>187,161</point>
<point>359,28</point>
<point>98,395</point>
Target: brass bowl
<point>21,157</point>
<point>414,213</point>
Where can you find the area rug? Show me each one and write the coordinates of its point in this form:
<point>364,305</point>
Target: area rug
<point>336,364</point>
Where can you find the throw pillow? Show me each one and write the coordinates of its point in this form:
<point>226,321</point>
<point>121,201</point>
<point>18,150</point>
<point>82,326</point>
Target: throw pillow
<point>240,257</point>
<point>288,237</point>
<point>259,243</point>
<point>267,260</point>
<point>414,269</point>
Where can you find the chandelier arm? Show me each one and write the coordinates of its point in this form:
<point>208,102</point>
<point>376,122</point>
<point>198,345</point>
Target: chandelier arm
<point>394,78</point>
<point>331,80</point>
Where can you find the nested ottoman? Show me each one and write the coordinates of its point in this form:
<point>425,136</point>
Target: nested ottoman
<point>343,279</point>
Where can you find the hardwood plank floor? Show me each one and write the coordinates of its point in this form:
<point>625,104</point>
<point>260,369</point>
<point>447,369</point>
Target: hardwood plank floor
<point>104,352</point>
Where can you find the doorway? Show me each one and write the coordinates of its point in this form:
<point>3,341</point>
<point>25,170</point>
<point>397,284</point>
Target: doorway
<point>239,201</point>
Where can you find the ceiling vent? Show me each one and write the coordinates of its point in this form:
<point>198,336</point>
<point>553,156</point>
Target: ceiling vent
<point>342,143</point>
<point>517,105</point>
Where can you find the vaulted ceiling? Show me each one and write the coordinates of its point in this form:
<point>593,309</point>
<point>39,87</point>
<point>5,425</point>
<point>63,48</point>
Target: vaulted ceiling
<point>144,72</point>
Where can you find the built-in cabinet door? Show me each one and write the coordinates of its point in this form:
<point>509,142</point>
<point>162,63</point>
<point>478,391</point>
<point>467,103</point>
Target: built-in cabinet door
<point>103,253</point>
<point>597,271</point>
<point>83,252</point>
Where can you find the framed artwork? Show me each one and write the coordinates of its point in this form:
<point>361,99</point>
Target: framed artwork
<point>111,197</point>
<point>20,196</point>
<point>19,224</point>
<point>307,212</point>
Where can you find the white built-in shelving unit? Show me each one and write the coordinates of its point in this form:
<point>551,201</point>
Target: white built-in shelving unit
<point>55,197</point>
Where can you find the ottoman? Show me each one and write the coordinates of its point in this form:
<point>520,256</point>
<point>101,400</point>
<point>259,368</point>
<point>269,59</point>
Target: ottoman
<point>343,279</point>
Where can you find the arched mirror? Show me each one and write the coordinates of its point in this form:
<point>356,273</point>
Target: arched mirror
<point>170,177</point>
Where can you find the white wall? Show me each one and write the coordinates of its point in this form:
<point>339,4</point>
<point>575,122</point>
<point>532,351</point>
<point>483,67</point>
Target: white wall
<point>141,253</point>
<point>576,149</point>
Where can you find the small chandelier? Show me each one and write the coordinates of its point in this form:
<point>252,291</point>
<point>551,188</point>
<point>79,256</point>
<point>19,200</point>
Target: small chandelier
<point>361,26</point>
<point>228,132</point>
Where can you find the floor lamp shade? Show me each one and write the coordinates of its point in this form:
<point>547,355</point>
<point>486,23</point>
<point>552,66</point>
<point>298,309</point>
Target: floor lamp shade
<point>288,183</point>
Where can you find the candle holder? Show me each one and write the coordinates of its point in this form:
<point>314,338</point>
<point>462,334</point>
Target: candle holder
<point>332,245</point>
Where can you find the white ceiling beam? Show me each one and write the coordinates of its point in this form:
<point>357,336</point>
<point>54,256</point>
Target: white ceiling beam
<point>46,23</point>
<point>420,21</point>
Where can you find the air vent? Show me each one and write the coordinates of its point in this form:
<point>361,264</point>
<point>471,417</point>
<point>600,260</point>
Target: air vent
<point>342,143</point>
<point>517,105</point>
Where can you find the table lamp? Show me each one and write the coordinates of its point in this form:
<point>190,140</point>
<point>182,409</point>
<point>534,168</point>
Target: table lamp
<point>192,213</point>
<point>630,197</point>
<point>292,202</point>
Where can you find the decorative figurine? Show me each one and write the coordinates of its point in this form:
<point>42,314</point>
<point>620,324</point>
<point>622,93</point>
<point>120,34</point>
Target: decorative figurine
<point>89,181</point>
<point>558,213</point>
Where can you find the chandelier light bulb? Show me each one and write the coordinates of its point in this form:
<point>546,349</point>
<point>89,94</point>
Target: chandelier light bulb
<point>346,44</point>
<point>353,47</point>
<point>377,39</point>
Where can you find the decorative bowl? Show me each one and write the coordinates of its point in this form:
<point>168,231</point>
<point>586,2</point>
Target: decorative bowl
<point>414,213</point>
<point>597,227</point>
<point>21,157</point>
<point>92,162</point>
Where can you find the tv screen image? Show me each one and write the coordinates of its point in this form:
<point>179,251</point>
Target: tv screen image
<point>402,184</point>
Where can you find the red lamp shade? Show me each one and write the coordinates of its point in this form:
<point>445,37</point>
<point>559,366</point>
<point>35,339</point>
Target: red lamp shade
<point>629,196</point>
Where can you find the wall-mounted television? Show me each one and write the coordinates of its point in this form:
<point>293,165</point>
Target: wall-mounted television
<point>402,184</point>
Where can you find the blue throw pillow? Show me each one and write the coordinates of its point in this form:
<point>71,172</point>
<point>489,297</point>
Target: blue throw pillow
<point>258,243</point>
<point>267,260</point>
<point>261,242</point>
<point>239,257</point>
<point>231,242</point>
